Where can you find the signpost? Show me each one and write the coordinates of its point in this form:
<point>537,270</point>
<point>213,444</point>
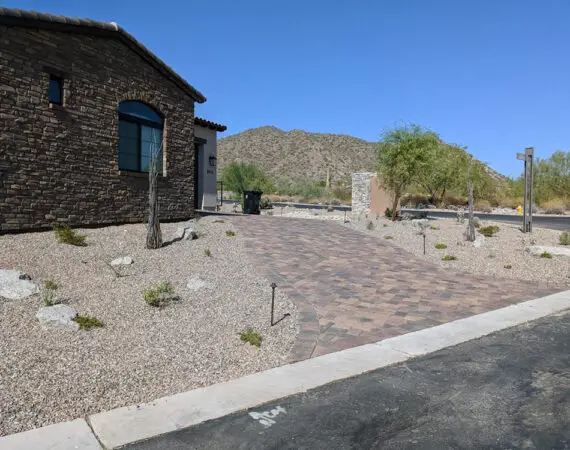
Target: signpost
<point>527,157</point>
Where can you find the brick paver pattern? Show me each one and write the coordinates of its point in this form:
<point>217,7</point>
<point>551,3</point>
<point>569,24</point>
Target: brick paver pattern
<point>351,288</point>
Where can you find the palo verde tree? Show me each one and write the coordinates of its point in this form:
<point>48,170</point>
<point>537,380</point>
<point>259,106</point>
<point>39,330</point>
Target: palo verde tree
<point>239,177</point>
<point>403,155</point>
<point>154,233</point>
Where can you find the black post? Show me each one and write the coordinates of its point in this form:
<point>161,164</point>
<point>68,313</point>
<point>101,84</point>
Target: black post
<point>424,242</point>
<point>273,286</point>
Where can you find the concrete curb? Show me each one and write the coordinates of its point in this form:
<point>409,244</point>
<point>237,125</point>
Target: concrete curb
<point>125,425</point>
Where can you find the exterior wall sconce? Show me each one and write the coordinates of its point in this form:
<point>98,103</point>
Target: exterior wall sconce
<point>212,161</point>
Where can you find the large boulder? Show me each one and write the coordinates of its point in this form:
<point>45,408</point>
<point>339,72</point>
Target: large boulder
<point>58,316</point>
<point>16,285</point>
<point>537,250</point>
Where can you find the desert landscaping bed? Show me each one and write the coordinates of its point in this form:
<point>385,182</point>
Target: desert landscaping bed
<point>505,255</point>
<point>142,352</point>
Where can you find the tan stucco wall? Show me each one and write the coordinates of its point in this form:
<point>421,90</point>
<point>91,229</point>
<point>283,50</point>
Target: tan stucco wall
<point>380,199</point>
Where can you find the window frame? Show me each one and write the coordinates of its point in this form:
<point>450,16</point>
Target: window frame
<point>139,122</point>
<point>59,80</point>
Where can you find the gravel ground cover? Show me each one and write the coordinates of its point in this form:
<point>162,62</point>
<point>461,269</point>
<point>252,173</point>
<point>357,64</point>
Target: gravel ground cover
<point>503,255</point>
<point>142,352</point>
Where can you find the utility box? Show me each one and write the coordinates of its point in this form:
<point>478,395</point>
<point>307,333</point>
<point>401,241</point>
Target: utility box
<point>251,202</point>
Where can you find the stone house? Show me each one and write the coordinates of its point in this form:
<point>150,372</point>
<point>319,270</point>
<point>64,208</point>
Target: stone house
<point>83,106</point>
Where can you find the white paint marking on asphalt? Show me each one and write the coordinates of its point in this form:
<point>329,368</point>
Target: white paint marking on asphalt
<point>125,425</point>
<point>266,417</point>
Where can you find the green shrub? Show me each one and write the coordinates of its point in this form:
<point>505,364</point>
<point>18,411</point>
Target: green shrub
<point>546,255</point>
<point>230,233</point>
<point>489,231</point>
<point>50,293</point>
<point>207,252</point>
<point>388,237</point>
<point>305,188</point>
<point>388,213</point>
<point>239,177</point>
<point>370,225</point>
<point>434,227</point>
<point>88,322</point>
<point>251,336</point>
<point>565,238</point>
<point>158,294</point>
<point>66,235</point>
<point>440,246</point>
<point>448,258</point>
<point>265,203</point>
<point>343,193</point>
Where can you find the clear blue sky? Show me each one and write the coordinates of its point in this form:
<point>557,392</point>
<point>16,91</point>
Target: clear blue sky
<point>493,75</point>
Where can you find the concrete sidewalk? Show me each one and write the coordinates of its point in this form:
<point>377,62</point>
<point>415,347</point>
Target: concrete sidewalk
<point>127,425</point>
<point>507,390</point>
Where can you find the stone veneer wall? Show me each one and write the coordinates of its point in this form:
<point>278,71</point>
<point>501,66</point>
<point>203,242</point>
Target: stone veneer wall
<point>61,163</point>
<point>361,192</point>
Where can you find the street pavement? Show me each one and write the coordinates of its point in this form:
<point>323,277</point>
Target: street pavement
<point>504,391</point>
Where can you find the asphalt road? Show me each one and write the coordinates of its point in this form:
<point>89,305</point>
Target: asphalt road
<point>504,391</point>
<point>552,222</point>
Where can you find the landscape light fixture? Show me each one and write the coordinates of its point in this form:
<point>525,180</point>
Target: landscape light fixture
<point>212,161</point>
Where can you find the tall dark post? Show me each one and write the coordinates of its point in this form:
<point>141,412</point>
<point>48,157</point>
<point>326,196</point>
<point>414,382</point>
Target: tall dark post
<point>273,286</point>
<point>424,242</point>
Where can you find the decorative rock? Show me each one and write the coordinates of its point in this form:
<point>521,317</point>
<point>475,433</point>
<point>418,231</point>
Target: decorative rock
<point>195,284</point>
<point>479,240</point>
<point>123,261</point>
<point>537,250</point>
<point>420,223</point>
<point>188,231</point>
<point>16,285</point>
<point>57,316</point>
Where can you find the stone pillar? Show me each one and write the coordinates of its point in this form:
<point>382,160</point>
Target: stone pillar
<point>361,193</point>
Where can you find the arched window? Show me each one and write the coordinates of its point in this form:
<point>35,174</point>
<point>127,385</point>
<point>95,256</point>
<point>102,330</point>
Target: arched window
<point>140,137</point>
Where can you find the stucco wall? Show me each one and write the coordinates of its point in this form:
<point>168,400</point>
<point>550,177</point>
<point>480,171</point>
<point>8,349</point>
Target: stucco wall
<point>207,177</point>
<point>61,164</point>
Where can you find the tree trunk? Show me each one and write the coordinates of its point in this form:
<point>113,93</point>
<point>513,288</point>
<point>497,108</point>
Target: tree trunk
<point>395,205</point>
<point>154,235</point>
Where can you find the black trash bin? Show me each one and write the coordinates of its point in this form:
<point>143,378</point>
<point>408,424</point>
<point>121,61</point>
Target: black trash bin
<point>251,201</point>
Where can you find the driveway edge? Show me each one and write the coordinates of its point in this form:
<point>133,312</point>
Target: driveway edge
<point>130,424</point>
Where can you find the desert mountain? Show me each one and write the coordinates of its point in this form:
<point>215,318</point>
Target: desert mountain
<point>298,154</point>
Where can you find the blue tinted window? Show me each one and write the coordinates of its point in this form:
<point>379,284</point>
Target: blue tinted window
<point>55,90</point>
<point>140,110</point>
<point>128,146</point>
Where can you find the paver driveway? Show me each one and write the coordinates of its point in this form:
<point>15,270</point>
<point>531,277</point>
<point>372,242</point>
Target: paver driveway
<point>352,289</point>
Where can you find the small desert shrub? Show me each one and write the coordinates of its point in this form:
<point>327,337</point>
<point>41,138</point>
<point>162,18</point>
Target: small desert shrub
<point>440,246</point>
<point>489,231</point>
<point>388,213</point>
<point>158,294</point>
<point>546,255</point>
<point>230,233</point>
<point>330,208</point>
<point>388,237</point>
<point>434,227</point>
<point>555,203</point>
<point>482,205</point>
<point>251,336</point>
<point>555,211</point>
<point>88,322</point>
<point>476,222</point>
<point>508,266</point>
<point>565,238</point>
<point>50,292</point>
<point>265,203</point>
<point>218,221</point>
<point>66,235</point>
<point>448,258</point>
<point>207,252</point>
<point>370,225</point>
